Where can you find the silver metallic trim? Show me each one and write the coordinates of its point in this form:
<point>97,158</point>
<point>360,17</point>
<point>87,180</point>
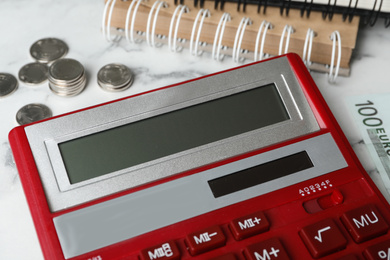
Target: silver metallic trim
<point>113,221</point>
<point>45,136</point>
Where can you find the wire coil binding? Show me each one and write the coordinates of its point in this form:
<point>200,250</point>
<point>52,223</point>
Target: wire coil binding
<point>307,48</point>
<point>219,36</point>
<point>172,39</point>
<point>204,13</point>
<point>150,36</point>
<point>289,29</point>
<point>245,21</point>
<point>129,26</point>
<point>106,28</point>
<point>334,70</point>
<point>259,55</point>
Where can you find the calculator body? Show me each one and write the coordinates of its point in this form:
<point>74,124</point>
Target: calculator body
<point>248,163</point>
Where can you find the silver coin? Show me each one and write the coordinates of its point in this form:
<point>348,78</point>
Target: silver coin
<point>115,77</point>
<point>33,73</point>
<point>66,70</point>
<point>32,112</point>
<point>67,77</point>
<point>8,84</point>
<point>48,50</point>
<point>68,91</point>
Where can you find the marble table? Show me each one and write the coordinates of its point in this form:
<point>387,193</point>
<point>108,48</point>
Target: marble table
<point>78,24</point>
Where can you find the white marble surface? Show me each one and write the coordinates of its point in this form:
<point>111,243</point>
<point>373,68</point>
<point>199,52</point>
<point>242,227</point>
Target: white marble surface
<point>76,22</point>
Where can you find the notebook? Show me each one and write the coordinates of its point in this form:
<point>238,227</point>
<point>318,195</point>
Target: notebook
<point>370,11</point>
<point>325,45</point>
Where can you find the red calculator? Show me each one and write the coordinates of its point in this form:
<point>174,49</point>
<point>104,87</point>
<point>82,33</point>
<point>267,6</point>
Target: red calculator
<point>244,164</point>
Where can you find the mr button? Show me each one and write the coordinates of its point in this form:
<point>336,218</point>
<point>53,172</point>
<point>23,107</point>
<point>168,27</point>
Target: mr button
<point>364,223</point>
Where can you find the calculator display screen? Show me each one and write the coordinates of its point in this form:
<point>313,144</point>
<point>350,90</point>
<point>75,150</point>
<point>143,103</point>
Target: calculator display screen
<point>170,133</point>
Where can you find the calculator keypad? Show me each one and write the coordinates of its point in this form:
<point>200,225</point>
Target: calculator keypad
<point>354,233</point>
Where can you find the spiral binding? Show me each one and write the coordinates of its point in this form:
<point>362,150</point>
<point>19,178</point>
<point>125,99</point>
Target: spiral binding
<point>307,47</point>
<point>307,8</point>
<point>334,70</point>
<point>204,13</point>
<point>328,10</point>
<point>150,36</point>
<point>374,14</point>
<point>106,29</point>
<point>172,40</point>
<point>245,21</point>
<point>219,36</point>
<point>289,29</point>
<point>237,53</point>
<point>259,55</point>
<point>129,28</point>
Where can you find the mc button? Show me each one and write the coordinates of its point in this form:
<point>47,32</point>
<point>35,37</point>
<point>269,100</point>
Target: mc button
<point>364,223</point>
<point>166,251</point>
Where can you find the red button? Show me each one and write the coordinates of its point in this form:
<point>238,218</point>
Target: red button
<point>323,238</point>
<point>378,251</point>
<point>364,223</point>
<point>348,257</point>
<point>166,251</point>
<point>249,225</point>
<point>225,257</point>
<point>205,240</point>
<point>270,249</point>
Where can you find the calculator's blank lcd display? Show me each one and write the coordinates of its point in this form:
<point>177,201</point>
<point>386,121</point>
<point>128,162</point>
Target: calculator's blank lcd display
<point>170,133</point>
<point>260,174</point>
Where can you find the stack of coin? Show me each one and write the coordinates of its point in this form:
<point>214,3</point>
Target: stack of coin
<point>67,77</point>
<point>115,77</point>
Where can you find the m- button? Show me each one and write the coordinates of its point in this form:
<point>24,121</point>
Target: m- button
<point>364,223</point>
<point>249,225</point>
<point>205,240</point>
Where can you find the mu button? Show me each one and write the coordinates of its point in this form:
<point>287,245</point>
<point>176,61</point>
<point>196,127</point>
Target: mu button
<point>205,240</point>
<point>364,223</point>
<point>323,238</point>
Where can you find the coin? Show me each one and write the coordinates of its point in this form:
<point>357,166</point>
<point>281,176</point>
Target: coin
<point>33,73</point>
<point>115,77</point>
<point>67,77</point>
<point>48,49</point>
<point>8,84</point>
<point>66,70</point>
<point>32,112</point>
